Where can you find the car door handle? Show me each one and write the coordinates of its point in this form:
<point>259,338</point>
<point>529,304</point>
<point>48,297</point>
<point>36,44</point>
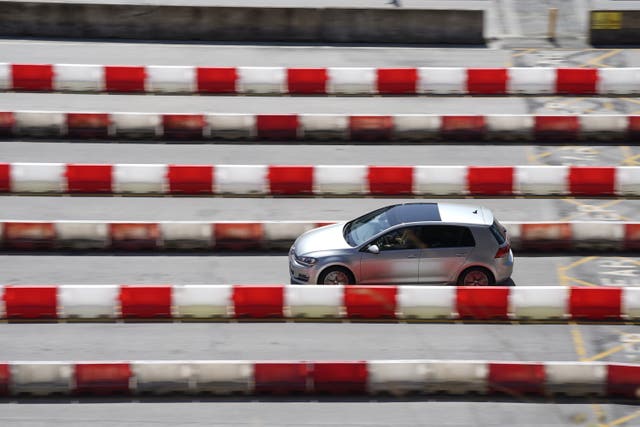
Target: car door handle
<point>461,254</point>
<point>412,256</point>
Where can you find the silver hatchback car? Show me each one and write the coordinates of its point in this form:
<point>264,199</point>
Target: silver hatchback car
<point>409,243</point>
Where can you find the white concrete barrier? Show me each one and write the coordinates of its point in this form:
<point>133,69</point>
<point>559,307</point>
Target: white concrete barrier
<point>38,177</point>
<point>541,302</point>
<point>41,379</point>
<point>171,79</point>
<point>627,181</point>
<point>619,81</point>
<point>88,302</point>
<point>352,80</point>
<point>541,180</point>
<point>262,80</point>
<point>162,377</point>
<point>442,80</point>
<point>84,235</point>
<point>440,180</point>
<point>202,301</point>
<point>426,302</point>
<point>416,126</point>
<point>139,178</point>
<point>573,379</point>
<point>5,76</point>
<point>78,77</point>
<point>457,377</point>
<point>318,301</point>
<point>231,126</point>
<point>223,377</point>
<point>529,80</point>
<point>186,235</point>
<point>397,377</point>
<point>324,126</point>
<point>39,123</point>
<point>241,179</point>
<point>137,124</point>
<point>338,179</point>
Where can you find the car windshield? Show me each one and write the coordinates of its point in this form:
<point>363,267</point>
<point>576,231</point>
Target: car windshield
<point>361,229</point>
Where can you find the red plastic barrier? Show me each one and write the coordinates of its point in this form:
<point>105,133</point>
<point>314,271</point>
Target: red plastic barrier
<point>576,81</point>
<point>482,302</point>
<point>31,302</point>
<point>258,302</point>
<point>281,377</point>
<point>5,379</point>
<point>32,77</point>
<point>290,179</point>
<point>490,180</point>
<point>183,126</point>
<point>340,377</point>
<point>124,79</point>
<point>190,179</point>
<point>546,237</point>
<point>5,177</point>
<point>623,380</point>
<point>592,180</point>
<point>102,378</point>
<point>307,80</point>
<point>487,81</point>
<point>238,235</point>
<point>390,180</point>
<point>515,379</point>
<point>632,237</point>
<point>397,81</point>
<point>595,303</point>
<point>557,127</point>
<point>7,122</point>
<point>463,127</point>
<point>88,125</point>
<point>371,128</point>
<point>216,79</point>
<point>89,178</point>
<point>277,126</point>
<point>29,235</point>
<point>633,127</point>
<point>370,302</point>
<point>145,302</point>
<point>134,236</point>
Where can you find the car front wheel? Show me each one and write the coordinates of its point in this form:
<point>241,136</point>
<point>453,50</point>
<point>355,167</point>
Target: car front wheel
<point>336,276</point>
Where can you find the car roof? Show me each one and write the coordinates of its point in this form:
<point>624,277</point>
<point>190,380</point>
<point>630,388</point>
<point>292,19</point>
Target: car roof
<point>442,212</point>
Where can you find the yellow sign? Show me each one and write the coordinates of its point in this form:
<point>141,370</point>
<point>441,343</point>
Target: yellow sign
<point>606,20</point>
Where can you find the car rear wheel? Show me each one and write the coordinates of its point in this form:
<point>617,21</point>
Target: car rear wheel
<point>476,276</point>
<point>336,276</point>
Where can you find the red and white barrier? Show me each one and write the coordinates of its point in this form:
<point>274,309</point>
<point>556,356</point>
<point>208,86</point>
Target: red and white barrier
<point>320,180</point>
<point>395,377</point>
<point>239,236</point>
<point>293,302</point>
<point>323,80</point>
<point>302,127</point>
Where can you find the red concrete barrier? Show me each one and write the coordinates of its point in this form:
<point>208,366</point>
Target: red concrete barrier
<point>190,179</point>
<point>371,128</point>
<point>370,302</point>
<point>595,303</point>
<point>29,235</point>
<point>36,77</point>
<point>515,379</point>
<point>307,80</point>
<point>340,377</point>
<point>277,126</point>
<point>238,236</point>
<point>124,79</point>
<point>487,81</point>
<point>490,180</point>
<point>89,178</point>
<point>390,180</point>
<point>183,126</point>
<point>592,180</point>
<point>88,125</point>
<point>145,302</point>
<point>134,236</point>
<point>480,302</point>
<point>216,79</point>
<point>258,301</point>
<point>397,81</point>
<point>31,302</point>
<point>281,377</point>
<point>102,378</point>
<point>290,180</point>
<point>576,81</point>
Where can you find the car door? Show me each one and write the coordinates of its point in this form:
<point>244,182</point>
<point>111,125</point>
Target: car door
<point>446,249</point>
<point>398,260</point>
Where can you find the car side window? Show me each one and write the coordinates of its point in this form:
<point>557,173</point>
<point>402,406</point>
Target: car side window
<point>402,238</point>
<point>446,236</point>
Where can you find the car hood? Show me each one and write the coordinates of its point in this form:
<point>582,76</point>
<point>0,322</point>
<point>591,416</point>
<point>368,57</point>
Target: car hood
<point>324,238</point>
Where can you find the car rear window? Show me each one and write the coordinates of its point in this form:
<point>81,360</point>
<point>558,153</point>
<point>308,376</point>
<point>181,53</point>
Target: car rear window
<point>499,232</point>
<point>447,236</point>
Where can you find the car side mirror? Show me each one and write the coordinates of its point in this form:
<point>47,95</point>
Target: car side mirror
<point>373,249</point>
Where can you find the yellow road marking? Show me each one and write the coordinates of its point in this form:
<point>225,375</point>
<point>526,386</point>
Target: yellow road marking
<point>623,420</point>
<point>524,52</point>
<point>580,281</point>
<point>633,101</point>
<point>606,353</point>
<point>598,59</point>
<point>578,262</point>
<point>578,341</point>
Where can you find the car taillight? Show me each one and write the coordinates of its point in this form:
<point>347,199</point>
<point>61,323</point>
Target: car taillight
<point>503,251</point>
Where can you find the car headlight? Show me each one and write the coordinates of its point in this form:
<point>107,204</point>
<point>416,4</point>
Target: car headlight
<point>306,260</point>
